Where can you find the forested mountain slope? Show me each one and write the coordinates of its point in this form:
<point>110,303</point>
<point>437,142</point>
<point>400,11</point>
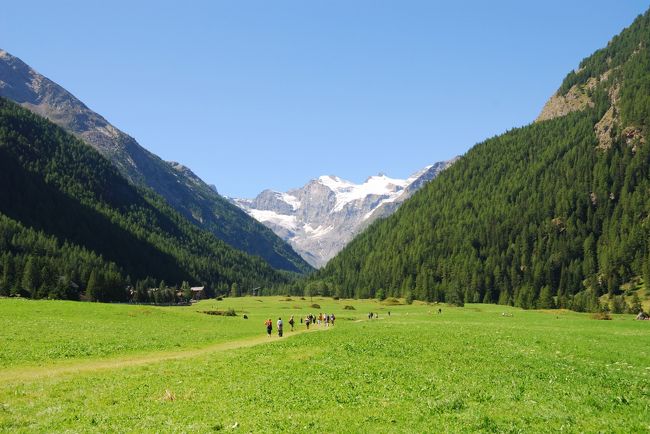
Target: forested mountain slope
<point>182,189</point>
<point>557,211</point>
<point>66,214</point>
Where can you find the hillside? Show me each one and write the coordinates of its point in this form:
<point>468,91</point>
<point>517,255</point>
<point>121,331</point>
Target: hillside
<point>554,213</point>
<point>67,217</point>
<point>182,189</point>
<point>321,217</point>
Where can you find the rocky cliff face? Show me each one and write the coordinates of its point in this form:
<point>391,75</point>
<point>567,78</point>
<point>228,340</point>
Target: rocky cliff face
<point>319,219</point>
<point>182,189</point>
<point>580,96</point>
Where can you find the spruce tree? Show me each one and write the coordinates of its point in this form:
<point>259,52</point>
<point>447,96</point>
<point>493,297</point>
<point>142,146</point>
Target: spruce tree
<point>92,289</point>
<point>545,300</point>
<point>186,289</point>
<point>8,275</point>
<point>646,273</point>
<point>30,281</point>
<point>618,304</point>
<point>635,305</point>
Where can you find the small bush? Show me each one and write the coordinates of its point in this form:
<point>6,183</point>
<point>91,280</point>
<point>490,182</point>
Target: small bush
<point>229,312</point>
<point>315,306</point>
<point>391,301</point>
<point>348,307</point>
<point>601,316</point>
<point>219,298</point>
<point>335,298</point>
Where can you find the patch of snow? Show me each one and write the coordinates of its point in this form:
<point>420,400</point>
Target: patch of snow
<point>291,200</point>
<point>369,213</point>
<point>346,191</point>
<point>286,221</point>
<point>393,198</point>
<point>317,232</point>
<point>417,174</point>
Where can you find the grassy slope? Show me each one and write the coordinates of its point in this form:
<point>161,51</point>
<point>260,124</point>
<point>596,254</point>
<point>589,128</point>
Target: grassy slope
<point>469,369</point>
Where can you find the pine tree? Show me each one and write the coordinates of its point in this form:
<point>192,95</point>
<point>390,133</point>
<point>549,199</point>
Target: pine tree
<point>454,297</point>
<point>545,300</point>
<point>8,275</point>
<point>613,285</point>
<point>635,305</point>
<point>234,290</point>
<point>92,288</point>
<point>646,273</point>
<point>618,304</point>
<point>186,289</point>
<point>30,281</point>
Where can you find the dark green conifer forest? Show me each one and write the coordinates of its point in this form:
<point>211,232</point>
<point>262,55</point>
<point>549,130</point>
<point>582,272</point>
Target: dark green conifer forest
<point>548,215</point>
<point>71,226</point>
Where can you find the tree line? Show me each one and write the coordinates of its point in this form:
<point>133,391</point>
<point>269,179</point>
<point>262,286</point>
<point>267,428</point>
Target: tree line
<point>66,213</point>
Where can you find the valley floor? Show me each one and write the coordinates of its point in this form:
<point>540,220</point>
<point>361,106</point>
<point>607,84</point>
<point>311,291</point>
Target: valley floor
<point>68,366</point>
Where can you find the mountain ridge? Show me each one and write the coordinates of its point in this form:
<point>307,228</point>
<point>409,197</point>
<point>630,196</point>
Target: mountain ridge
<point>186,192</point>
<point>321,217</point>
<point>68,215</point>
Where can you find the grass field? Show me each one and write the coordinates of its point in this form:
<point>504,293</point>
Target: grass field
<point>85,367</point>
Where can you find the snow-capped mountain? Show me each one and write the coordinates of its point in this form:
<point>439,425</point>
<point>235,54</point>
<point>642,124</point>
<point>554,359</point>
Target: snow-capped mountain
<point>319,219</point>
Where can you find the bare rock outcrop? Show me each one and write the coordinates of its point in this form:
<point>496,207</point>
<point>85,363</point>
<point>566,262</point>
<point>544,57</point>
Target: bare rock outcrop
<point>576,99</point>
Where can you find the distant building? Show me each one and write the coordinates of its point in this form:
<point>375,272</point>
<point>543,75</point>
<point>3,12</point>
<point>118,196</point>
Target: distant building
<point>198,292</point>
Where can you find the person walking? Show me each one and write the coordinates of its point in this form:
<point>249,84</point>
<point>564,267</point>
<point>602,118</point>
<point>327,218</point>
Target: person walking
<point>291,322</point>
<point>269,326</point>
<point>279,327</point>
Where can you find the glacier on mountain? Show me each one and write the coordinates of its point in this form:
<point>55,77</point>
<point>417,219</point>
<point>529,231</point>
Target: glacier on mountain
<point>320,218</point>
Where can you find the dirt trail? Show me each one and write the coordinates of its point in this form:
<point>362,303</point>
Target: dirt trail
<point>13,375</point>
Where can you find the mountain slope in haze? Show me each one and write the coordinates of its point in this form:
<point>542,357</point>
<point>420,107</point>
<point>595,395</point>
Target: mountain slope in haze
<point>554,213</point>
<point>320,218</point>
<point>66,213</point>
<point>184,191</point>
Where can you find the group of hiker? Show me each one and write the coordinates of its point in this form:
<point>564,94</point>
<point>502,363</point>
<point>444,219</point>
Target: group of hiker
<point>321,319</point>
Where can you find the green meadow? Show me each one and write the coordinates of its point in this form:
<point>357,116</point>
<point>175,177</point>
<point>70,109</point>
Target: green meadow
<point>87,367</point>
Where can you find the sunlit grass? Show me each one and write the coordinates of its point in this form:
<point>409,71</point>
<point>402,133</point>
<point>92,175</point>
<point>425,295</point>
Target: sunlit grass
<point>468,369</point>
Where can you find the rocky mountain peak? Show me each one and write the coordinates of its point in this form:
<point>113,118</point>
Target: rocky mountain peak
<point>321,217</point>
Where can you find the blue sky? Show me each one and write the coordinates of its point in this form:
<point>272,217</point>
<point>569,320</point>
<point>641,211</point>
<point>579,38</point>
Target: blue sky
<point>269,94</point>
